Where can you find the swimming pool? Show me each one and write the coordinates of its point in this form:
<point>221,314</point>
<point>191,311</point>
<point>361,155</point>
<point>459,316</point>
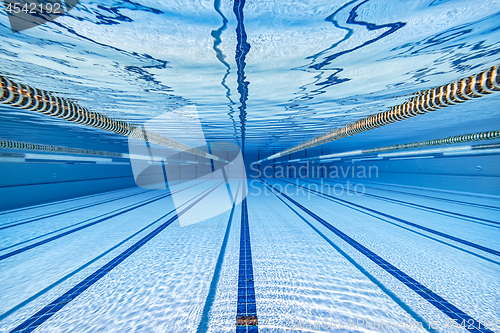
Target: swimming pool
<point>245,166</point>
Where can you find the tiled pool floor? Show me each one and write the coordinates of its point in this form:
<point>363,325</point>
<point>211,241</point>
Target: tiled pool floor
<point>289,258</point>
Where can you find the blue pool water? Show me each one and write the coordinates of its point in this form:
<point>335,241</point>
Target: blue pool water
<point>158,173</point>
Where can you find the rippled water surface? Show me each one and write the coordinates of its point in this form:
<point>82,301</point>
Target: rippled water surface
<point>272,75</point>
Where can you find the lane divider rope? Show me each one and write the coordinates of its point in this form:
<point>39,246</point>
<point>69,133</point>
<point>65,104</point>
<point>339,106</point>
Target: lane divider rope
<point>425,101</point>
<point>32,99</point>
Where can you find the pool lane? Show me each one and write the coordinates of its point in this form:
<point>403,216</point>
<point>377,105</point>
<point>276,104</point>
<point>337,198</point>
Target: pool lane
<point>53,261</point>
<point>449,228</point>
<point>471,283</point>
<point>81,227</point>
<point>41,211</point>
<point>65,211</point>
<point>24,235</point>
<point>35,210</point>
<point>46,237</point>
<point>454,211</point>
<point>303,273</point>
<point>477,200</point>
<point>208,308</point>
<point>48,311</point>
<point>223,310</point>
<point>436,300</point>
<point>300,279</point>
<point>162,287</point>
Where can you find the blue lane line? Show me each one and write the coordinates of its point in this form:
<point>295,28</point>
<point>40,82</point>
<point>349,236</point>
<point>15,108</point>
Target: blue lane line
<point>48,311</point>
<point>434,299</point>
<point>203,325</point>
<point>210,152</point>
<point>116,213</point>
<point>432,231</point>
<point>164,174</point>
<point>69,210</point>
<point>228,187</point>
<point>59,230</point>
<point>434,210</point>
<point>246,313</point>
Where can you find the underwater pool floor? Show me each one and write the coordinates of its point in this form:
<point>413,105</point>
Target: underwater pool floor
<point>283,259</point>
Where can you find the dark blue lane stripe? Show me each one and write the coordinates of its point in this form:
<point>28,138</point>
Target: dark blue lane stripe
<point>48,311</point>
<point>246,311</point>
<point>477,255</point>
<point>116,213</point>
<point>50,239</point>
<point>434,299</point>
<point>68,210</point>
<point>203,325</point>
<point>406,203</point>
<point>210,152</point>
<point>164,174</point>
<point>228,187</point>
<point>432,231</point>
